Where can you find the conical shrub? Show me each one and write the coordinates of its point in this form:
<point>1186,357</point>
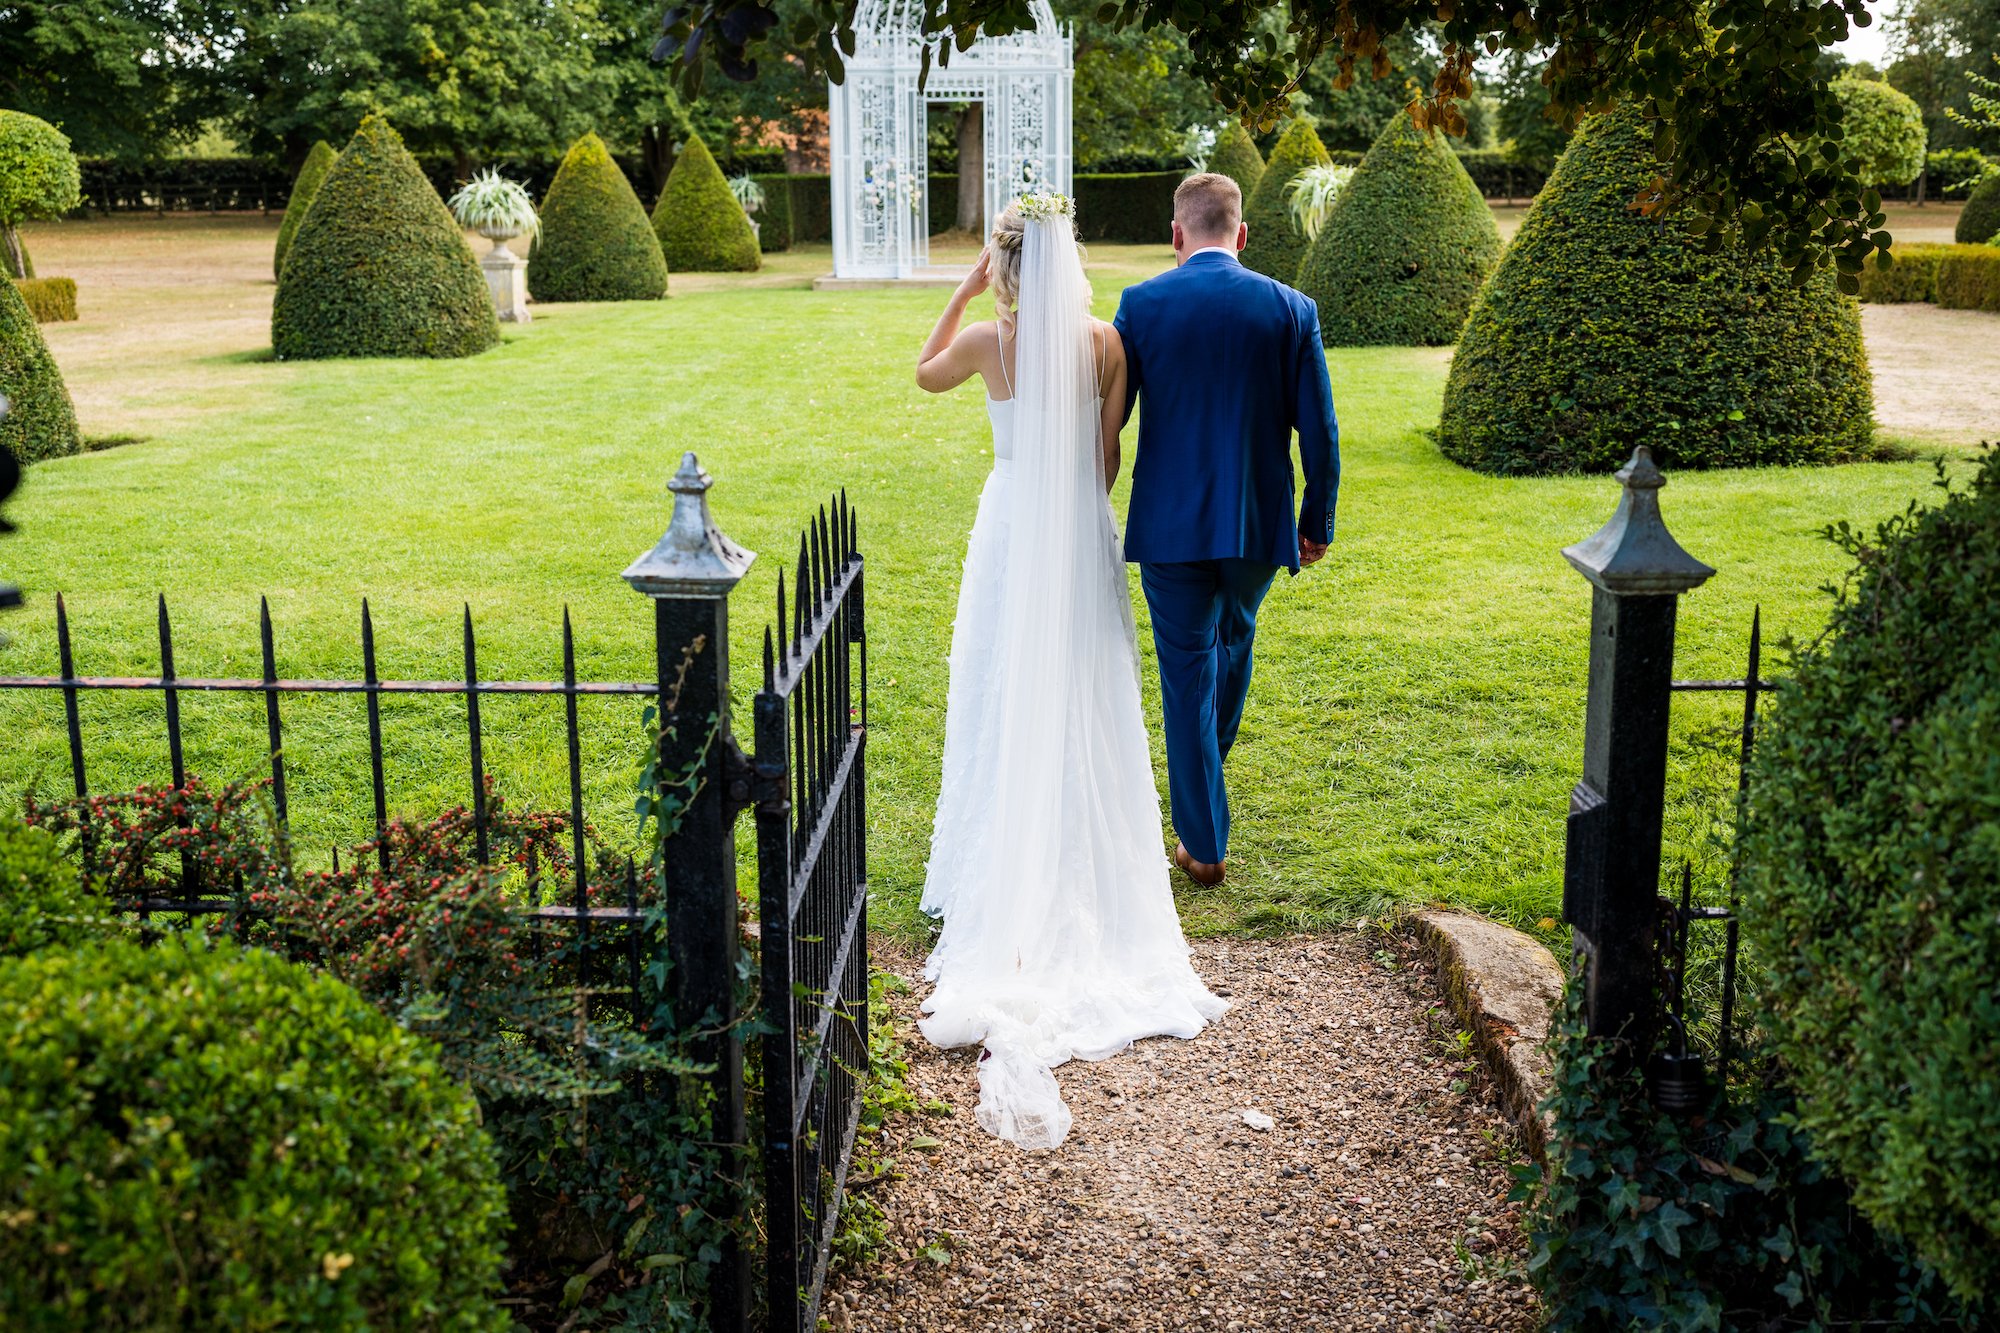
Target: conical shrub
<point>1275,249</point>
<point>1405,248</point>
<point>304,190</point>
<point>378,267</point>
<point>701,227</point>
<point>1236,157</point>
<point>1602,329</point>
<point>596,242</point>
<point>1979,220</point>
<point>40,421</point>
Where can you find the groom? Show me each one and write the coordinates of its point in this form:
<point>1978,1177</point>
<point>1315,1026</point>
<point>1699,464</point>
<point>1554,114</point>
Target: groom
<point>1229,364</point>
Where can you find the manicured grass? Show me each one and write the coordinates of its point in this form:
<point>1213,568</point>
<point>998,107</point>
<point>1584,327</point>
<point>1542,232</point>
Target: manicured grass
<point>1412,734</point>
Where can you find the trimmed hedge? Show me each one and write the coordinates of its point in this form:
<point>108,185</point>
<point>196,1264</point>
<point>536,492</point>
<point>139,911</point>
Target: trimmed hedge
<point>41,420</point>
<point>50,300</point>
<point>1236,157</point>
<point>312,175</point>
<point>1871,856</point>
<point>1979,220</point>
<point>1912,277</point>
<point>1405,249</point>
<point>1138,208</point>
<point>701,227</point>
<point>774,219</point>
<point>1969,278</point>
<point>812,209</point>
<point>596,242</point>
<point>1602,329</point>
<point>197,1136</point>
<point>1275,249</point>
<point>1498,176</point>
<point>379,267</point>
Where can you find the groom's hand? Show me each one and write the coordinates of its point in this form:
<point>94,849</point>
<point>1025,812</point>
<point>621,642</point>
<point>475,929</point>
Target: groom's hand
<point>1310,551</point>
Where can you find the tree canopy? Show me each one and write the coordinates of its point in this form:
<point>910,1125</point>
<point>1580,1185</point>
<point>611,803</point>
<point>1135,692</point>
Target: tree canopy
<point>1744,123</point>
<point>1885,130</point>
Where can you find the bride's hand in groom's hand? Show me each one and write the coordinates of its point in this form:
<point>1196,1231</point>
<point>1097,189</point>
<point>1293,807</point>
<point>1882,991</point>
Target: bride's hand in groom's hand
<point>980,278</point>
<point>1310,551</point>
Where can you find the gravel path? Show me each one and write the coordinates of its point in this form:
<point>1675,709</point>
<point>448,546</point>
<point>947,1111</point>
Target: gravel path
<point>1376,1199</point>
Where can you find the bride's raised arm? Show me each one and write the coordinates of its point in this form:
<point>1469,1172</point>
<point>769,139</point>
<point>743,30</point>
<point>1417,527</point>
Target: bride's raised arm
<point>949,358</point>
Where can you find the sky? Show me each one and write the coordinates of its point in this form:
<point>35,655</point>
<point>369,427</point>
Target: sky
<point>1870,43</point>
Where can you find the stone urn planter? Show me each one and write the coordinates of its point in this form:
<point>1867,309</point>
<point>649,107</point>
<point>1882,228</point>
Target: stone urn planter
<point>501,211</point>
<point>506,274</point>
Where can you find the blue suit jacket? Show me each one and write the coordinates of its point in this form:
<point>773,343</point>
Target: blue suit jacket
<point>1229,364</point>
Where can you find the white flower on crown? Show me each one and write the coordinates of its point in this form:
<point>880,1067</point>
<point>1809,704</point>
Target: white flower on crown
<point>1046,204</point>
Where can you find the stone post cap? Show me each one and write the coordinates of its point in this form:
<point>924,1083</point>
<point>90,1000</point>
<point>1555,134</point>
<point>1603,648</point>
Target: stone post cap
<point>1634,554</point>
<point>693,559</point>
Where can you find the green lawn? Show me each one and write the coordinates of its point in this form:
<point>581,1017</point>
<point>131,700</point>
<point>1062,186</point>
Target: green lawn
<point>1412,733</point>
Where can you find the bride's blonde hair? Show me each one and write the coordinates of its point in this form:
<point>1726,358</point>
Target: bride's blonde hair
<point>1003,265</point>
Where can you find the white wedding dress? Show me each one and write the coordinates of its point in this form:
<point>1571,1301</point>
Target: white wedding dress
<point>1060,939</point>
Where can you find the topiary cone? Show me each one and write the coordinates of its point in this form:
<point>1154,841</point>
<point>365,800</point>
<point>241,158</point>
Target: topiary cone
<point>1979,220</point>
<point>596,242</point>
<point>1236,157</point>
<point>1274,248</point>
<point>1602,329</point>
<point>701,227</point>
<point>1405,249</point>
<point>304,190</point>
<point>379,267</point>
<point>41,420</point>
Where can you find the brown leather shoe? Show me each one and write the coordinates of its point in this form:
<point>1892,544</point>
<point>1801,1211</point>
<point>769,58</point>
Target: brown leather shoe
<point>1201,872</point>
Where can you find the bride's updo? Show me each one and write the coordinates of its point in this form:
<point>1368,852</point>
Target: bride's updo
<point>1004,263</point>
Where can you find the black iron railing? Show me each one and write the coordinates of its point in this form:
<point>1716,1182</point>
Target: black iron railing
<point>811,737</point>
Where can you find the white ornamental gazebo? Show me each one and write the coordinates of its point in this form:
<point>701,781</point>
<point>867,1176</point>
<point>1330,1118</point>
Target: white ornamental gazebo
<point>880,161</point>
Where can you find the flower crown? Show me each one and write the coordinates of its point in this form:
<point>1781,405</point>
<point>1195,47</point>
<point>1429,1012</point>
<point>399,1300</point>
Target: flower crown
<point>1037,207</point>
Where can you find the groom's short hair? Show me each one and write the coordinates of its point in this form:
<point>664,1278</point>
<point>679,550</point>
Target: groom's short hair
<point>1208,203</point>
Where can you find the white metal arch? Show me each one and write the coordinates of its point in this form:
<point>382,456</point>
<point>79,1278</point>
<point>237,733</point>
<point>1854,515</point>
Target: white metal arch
<point>879,157</point>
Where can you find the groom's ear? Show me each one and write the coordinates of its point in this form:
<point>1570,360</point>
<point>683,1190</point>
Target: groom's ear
<point>1242,235</point>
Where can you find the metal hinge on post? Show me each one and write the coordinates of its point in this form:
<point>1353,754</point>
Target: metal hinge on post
<point>750,783</point>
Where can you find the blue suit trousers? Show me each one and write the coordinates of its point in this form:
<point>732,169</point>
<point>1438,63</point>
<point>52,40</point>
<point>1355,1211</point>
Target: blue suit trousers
<point>1204,624</point>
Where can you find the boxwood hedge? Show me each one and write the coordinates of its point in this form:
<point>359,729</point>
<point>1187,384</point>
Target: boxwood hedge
<point>379,267</point>
<point>1871,876</point>
<point>1602,329</point>
<point>50,300</point>
<point>1405,249</point>
<point>41,420</point>
<point>42,900</point>
<point>312,174</point>
<point>1979,220</point>
<point>1275,248</point>
<point>196,1136</point>
<point>596,242</point>
<point>1969,278</point>
<point>1236,157</point>
<point>701,226</point>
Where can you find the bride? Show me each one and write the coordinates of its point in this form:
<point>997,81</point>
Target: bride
<point>1060,939</point>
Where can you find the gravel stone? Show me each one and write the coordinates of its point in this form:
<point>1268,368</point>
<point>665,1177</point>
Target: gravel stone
<point>1376,1194</point>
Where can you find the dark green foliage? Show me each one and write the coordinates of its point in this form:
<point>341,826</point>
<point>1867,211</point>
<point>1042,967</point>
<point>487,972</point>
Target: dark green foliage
<point>42,901</point>
<point>1275,249</point>
<point>378,267</point>
<point>1602,329</point>
<point>312,174</point>
<point>50,300</point>
<point>1499,175</point>
<point>203,1136</point>
<point>701,226</point>
<point>1136,207</point>
<point>812,209</point>
<point>1871,857</point>
<point>774,220</point>
<point>1642,1222</point>
<point>1405,249</point>
<point>1236,157</point>
<point>1955,172</point>
<point>1979,220</point>
<point>1969,278</point>
<point>41,420</point>
<point>596,242</point>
